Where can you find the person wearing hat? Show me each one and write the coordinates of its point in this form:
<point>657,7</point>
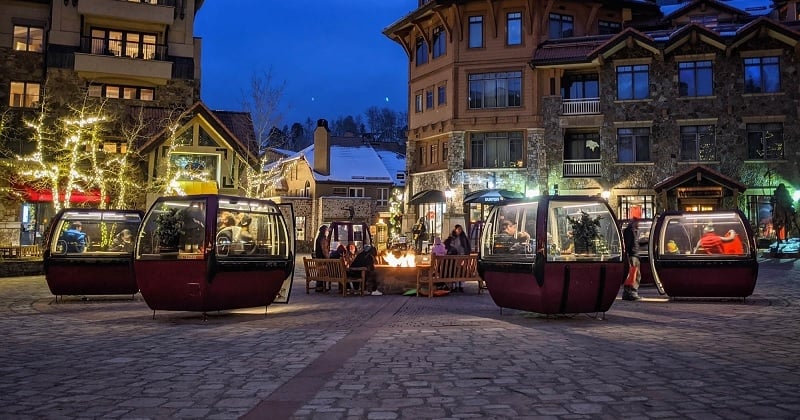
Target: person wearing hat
<point>710,242</point>
<point>123,242</point>
<point>74,238</point>
<point>630,290</point>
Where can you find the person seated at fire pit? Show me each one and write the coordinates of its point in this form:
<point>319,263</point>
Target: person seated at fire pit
<point>366,259</point>
<point>438,247</point>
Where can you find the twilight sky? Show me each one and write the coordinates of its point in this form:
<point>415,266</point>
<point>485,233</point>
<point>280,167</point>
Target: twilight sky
<point>331,54</point>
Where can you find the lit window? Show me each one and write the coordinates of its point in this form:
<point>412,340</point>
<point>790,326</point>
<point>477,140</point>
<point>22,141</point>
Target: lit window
<point>418,103</point>
<point>28,38</point>
<point>24,95</point>
<point>765,141</point>
<point>496,150</point>
<point>698,143</point>
<point>123,43</point>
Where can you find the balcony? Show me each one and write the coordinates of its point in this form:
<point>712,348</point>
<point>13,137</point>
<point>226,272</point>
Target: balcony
<point>581,106</point>
<point>160,12</point>
<point>581,168</point>
<point>92,66</point>
<point>118,48</point>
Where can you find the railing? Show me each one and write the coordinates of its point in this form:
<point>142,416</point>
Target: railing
<point>581,168</point>
<point>120,48</point>
<point>580,106</point>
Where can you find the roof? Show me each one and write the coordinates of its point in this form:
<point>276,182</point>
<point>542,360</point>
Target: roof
<point>355,161</point>
<point>694,174</point>
<point>740,7</point>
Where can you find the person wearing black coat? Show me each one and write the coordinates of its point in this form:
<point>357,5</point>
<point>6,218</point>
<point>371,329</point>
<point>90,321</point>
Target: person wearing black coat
<point>322,250</point>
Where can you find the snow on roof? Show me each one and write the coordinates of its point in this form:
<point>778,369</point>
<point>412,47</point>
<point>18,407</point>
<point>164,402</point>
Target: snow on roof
<point>352,164</point>
<point>395,163</point>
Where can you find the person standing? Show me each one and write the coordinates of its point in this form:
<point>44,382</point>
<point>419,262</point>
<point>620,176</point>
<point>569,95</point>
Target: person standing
<point>630,290</point>
<point>322,250</point>
<point>420,234</point>
<point>458,244</point>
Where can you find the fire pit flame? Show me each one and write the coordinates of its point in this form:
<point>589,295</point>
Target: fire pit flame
<point>400,259</point>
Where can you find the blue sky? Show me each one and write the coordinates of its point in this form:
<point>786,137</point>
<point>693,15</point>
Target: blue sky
<point>331,54</point>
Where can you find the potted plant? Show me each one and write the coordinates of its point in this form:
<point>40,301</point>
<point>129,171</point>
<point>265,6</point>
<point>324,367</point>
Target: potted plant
<point>585,229</point>
<point>169,228</point>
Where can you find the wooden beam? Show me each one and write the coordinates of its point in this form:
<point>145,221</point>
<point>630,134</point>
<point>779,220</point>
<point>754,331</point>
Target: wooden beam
<point>591,18</point>
<point>493,16</point>
<point>459,21</point>
<point>447,28</point>
<point>546,15</point>
<point>424,33</point>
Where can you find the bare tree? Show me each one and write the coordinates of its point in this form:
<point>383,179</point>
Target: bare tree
<point>263,102</point>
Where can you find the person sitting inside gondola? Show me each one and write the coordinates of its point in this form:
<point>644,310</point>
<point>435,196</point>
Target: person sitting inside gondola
<point>511,240</point>
<point>732,244</point>
<point>123,242</point>
<point>74,238</point>
<point>710,242</point>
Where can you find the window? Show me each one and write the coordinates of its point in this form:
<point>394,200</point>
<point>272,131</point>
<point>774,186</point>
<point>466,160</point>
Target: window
<point>28,38</point>
<point>633,82</point>
<point>383,197</point>
<point>633,145</point>
<point>124,92</point>
<point>497,150</point>
<point>762,75</point>
<point>195,166</point>
<point>434,153</point>
<point>698,143</point>
<point>582,146</point>
<point>605,27</point>
<point>123,43</point>
<point>561,26</point>
<point>340,191</point>
<point>514,28</point>
<point>439,42</point>
<point>24,94</point>
<point>765,141</point>
<point>475,31</point>
<point>695,78</point>
<point>580,86</point>
<point>428,99</point>
<point>495,90</point>
<point>421,156</point>
<point>442,94</point>
<point>418,102</point>
<point>422,51</point>
<point>307,190</point>
<point>355,191</point>
<point>444,151</point>
<point>114,147</point>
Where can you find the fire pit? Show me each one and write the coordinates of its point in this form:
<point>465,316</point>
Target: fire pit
<point>398,271</point>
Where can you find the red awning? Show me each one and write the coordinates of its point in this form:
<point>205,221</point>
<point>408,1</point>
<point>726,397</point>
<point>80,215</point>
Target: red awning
<point>37,195</point>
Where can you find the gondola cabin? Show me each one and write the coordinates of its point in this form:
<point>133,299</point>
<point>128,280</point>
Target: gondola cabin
<point>214,252</point>
<point>552,255</point>
<point>704,254</point>
<point>89,252</point>
<point>347,232</point>
<point>642,234</point>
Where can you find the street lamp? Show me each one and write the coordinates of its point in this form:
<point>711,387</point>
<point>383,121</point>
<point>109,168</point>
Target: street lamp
<point>606,194</point>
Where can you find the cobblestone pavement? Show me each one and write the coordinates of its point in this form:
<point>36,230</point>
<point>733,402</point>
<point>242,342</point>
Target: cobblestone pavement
<point>396,357</point>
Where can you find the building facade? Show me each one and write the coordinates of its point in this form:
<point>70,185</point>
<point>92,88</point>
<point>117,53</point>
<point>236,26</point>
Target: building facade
<point>137,62</point>
<point>686,106</point>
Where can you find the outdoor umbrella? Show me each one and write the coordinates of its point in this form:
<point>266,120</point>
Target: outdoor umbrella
<point>490,196</point>
<point>427,196</point>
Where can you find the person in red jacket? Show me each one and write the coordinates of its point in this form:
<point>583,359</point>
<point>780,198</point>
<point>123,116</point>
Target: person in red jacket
<point>732,244</point>
<point>710,242</point>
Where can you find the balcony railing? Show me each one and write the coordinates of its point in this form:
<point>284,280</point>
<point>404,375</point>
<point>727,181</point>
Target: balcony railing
<point>157,2</point>
<point>119,48</point>
<point>581,168</point>
<point>580,106</point>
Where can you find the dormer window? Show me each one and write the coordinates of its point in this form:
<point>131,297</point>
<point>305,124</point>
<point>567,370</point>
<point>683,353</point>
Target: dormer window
<point>709,21</point>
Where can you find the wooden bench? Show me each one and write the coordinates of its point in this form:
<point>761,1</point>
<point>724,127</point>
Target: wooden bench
<point>329,271</point>
<point>450,269</point>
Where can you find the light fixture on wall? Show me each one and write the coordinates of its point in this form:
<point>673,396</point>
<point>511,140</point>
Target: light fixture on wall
<point>606,194</point>
<point>448,193</point>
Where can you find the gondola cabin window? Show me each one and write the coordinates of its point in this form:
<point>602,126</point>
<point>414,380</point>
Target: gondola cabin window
<point>581,230</point>
<point>510,232</point>
<point>703,235</point>
<point>94,233</point>
<point>250,229</point>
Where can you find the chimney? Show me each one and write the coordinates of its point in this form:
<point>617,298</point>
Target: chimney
<point>322,148</point>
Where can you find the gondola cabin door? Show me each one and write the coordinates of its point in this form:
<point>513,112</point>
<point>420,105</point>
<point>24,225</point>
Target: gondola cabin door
<point>89,252</point>
<point>551,255</point>
<point>225,253</point>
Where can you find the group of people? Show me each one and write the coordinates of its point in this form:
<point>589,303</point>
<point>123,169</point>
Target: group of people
<point>75,239</point>
<point>352,258</point>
